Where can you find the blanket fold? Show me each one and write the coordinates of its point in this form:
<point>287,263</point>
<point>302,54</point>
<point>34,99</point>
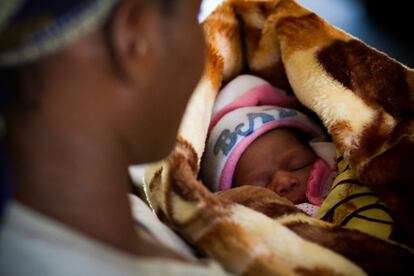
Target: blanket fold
<point>364,99</point>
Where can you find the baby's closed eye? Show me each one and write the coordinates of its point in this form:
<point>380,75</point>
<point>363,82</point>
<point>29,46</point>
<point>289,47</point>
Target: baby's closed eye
<point>301,165</point>
<point>301,159</point>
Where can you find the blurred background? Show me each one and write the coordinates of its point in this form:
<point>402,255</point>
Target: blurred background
<point>383,25</point>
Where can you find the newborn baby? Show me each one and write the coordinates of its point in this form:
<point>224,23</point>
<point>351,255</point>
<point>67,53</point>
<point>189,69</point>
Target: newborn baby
<point>258,136</point>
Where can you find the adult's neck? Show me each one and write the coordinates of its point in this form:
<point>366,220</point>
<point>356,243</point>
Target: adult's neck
<point>78,176</point>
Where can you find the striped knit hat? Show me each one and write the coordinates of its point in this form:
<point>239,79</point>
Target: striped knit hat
<point>31,29</point>
<point>245,109</point>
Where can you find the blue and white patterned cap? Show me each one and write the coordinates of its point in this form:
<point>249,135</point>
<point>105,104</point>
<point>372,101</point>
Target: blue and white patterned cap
<point>246,108</point>
<point>30,30</point>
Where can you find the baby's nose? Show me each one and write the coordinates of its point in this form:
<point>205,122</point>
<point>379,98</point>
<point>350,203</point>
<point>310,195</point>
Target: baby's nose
<point>283,182</point>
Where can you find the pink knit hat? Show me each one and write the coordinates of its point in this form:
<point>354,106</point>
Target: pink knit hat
<point>246,108</point>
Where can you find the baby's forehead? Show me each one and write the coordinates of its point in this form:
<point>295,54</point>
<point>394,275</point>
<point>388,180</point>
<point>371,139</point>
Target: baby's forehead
<point>277,147</point>
<point>286,136</point>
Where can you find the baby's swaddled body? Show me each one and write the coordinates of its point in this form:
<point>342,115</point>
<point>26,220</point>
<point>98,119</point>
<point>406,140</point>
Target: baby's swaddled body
<point>258,136</point>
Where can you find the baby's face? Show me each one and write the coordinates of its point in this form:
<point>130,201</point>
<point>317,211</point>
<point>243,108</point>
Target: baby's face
<point>278,160</point>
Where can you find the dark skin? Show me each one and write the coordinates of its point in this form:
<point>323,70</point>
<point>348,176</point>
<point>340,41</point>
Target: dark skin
<point>279,161</point>
<point>90,120</point>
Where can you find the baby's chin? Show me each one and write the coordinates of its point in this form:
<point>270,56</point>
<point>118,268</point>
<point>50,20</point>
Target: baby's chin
<point>298,198</point>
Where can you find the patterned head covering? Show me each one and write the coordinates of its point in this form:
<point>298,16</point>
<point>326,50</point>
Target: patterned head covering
<point>246,108</point>
<point>32,29</point>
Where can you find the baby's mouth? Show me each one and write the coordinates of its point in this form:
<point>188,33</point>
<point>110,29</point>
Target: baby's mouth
<point>319,176</point>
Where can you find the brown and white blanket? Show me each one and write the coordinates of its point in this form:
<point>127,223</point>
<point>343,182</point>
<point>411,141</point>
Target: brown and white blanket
<point>364,98</point>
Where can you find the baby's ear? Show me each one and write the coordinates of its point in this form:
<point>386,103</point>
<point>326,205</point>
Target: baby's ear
<point>260,199</point>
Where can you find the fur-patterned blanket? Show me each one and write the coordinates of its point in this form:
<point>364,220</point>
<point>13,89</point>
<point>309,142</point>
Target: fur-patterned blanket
<point>366,102</point>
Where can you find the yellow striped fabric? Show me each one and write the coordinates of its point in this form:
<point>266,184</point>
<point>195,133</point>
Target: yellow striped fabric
<point>351,204</point>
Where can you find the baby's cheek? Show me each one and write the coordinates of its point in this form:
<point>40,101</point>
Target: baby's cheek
<point>254,183</point>
<point>306,173</point>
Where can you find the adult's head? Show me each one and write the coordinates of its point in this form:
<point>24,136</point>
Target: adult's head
<point>93,86</point>
<point>122,70</point>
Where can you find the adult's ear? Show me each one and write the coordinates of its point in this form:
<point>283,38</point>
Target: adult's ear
<point>134,34</point>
